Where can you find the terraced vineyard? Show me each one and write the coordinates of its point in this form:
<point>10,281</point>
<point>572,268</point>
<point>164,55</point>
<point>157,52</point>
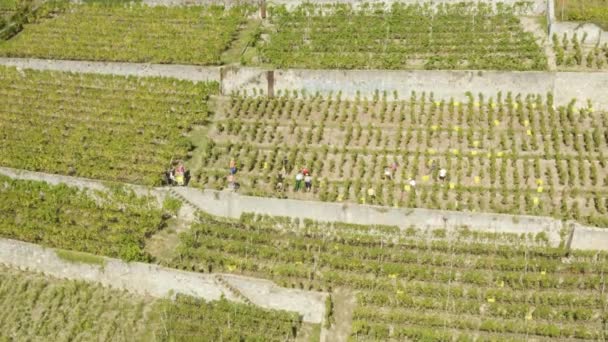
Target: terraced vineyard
<point>32,306</point>
<point>114,223</point>
<point>131,33</point>
<point>574,52</point>
<point>505,153</point>
<point>420,285</point>
<point>104,127</point>
<point>8,7</point>
<point>595,11</point>
<point>458,36</point>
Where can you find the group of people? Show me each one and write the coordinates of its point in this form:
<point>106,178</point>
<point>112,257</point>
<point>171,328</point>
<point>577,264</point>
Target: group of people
<point>302,177</point>
<point>390,170</point>
<point>177,175</point>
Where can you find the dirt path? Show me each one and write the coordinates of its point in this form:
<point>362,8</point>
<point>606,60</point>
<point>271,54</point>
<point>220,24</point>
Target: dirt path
<point>532,24</point>
<point>183,72</point>
<point>344,302</point>
<point>241,43</point>
<point>160,282</point>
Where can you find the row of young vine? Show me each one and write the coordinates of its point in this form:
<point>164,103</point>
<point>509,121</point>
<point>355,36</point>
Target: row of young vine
<point>129,33</point>
<point>76,310</point>
<point>97,126</point>
<point>113,223</point>
<point>414,284</point>
<point>508,153</point>
<point>443,36</point>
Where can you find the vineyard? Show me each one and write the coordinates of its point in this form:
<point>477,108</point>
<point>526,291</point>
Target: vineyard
<point>32,306</point>
<point>114,223</point>
<point>130,33</point>
<point>414,284</point>
<point>192,319</point>
<point>595,11</point>
<point>492,152</point>
<point>506,153</point>
<point>458,36</point>
<point>96,126</point>
<point>574,52</point>
<point>8,7</point>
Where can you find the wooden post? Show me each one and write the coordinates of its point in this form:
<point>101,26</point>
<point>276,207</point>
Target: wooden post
<point>270,81</point>
<point>263,9</point>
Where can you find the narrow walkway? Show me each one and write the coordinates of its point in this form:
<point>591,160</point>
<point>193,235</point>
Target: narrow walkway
<point>532,25</point>
<point>183,72</point>
<point>160,282</point>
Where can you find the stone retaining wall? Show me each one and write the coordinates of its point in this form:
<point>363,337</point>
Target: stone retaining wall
<point>229,204</point>
<point>184,72</point>
<point>444,84</point>
<point>161,282</point>
<point>595,34</point>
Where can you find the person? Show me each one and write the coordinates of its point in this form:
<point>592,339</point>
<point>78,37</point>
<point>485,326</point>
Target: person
<point>171,176</point>
<point>280,180</point>
<point>443,173</point>
<point>299,178</point>
<point>371,193</point>
<point>412,183</point>
<point>388,174</point>
<point>285,162</point>
<point>232,167</point>
<point>231,183</point>
<point>394,167</point>
<point>180,171</point>
<point>308,182</point>
<point>305,171</point>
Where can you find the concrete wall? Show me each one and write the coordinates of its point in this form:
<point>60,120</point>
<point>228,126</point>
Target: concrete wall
<point>444,84</point>
<point>229,204</point>
<point>582,86</point>
<point>184,72</point>
<point>595,34</point>
<point>160,282</point>
<point>589,238</point>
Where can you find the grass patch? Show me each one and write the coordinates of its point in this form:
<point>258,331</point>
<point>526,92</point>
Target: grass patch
<point>593,11</point>
<point>80,257</point>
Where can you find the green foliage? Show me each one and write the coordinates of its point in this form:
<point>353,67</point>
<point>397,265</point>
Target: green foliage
<point>97,126</point>
<point>172,205</point>
<point>507,153</point>
<point>131,33</point>
<point>502,284</point>
<point>595,11</point>
<point>79,257</point>
<point>329,311</point>
<point>33,305</point>
<point>113,223</point>
<point>453,36</point>
<point>191,319</point>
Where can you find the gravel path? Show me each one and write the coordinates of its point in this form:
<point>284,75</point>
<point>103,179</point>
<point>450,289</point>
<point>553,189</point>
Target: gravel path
<point>160,282</point>
<point>183,72</point>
